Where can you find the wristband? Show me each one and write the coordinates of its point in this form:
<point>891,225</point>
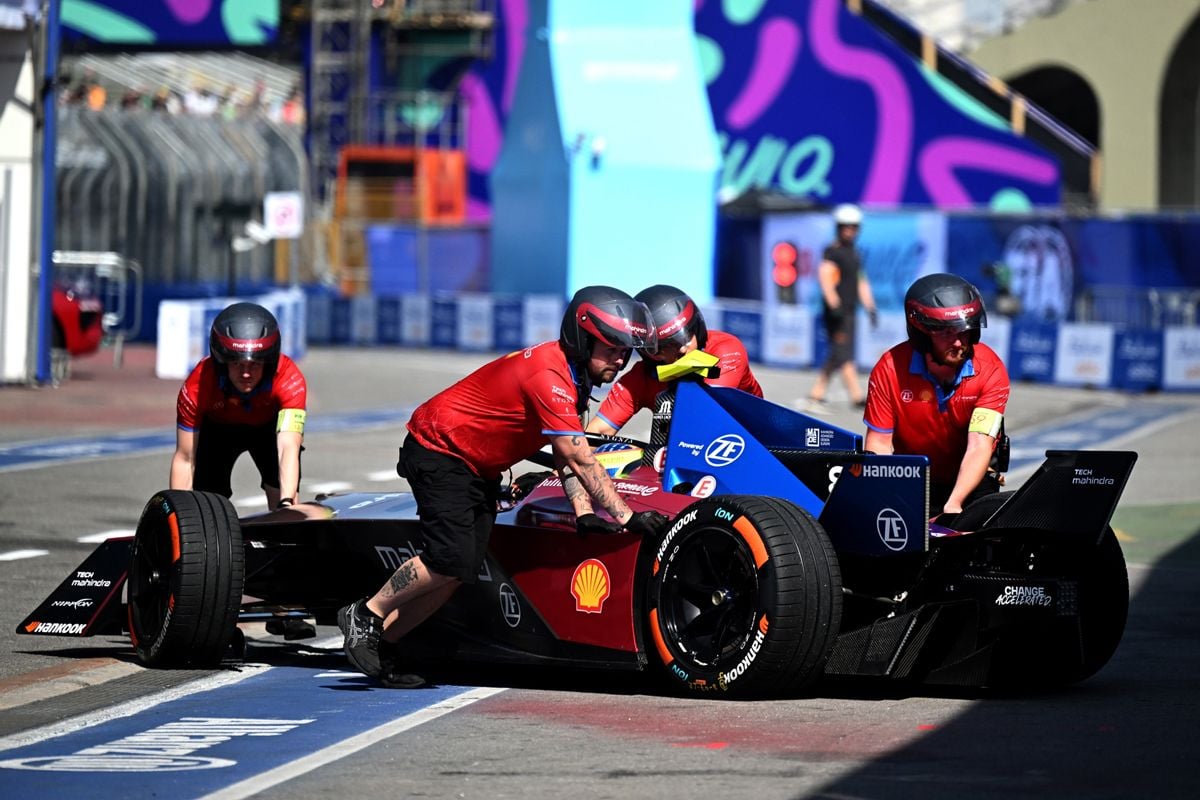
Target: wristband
<point>285,501</point>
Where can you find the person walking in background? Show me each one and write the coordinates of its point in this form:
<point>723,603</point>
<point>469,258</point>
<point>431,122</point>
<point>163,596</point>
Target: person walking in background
<point>843,285</point>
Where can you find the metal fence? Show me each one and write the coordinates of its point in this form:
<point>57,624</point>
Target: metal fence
<point>172,191</point>
<point>116,281</point>
<point>1132,307</point>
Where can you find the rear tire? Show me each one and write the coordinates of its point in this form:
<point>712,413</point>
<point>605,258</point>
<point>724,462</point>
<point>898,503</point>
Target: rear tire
<point>186,574</point>
<point>745,597</point>
<point>1062,655</point>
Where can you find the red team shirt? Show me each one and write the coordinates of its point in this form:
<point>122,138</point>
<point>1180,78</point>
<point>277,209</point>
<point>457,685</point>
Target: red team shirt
<point>502,412</point>
<point>201,397</point>
<point>638,387</point>
<point>904,400</point>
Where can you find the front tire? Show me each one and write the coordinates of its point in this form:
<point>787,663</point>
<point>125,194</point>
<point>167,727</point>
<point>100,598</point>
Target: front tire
<point>186,574</point>
<point>745,597</point>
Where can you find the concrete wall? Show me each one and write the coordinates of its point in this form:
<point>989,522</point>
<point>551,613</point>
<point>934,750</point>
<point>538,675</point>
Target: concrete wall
<point>1121,49</point>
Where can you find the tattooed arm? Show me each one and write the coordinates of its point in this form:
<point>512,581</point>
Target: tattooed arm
<point>585,480</point>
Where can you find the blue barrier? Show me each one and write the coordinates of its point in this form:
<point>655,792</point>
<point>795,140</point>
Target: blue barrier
<point>1069,354</point>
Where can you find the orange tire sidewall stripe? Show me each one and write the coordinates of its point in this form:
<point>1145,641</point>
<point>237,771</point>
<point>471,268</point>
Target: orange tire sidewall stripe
<point>656,632</point>
<point>173,522</point>
<point>753,539</point>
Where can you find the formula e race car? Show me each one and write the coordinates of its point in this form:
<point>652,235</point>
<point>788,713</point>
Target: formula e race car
<point>792,555</point>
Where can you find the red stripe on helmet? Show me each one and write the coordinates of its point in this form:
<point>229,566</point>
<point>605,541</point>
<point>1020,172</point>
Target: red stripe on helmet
<point>588,315</point>
<point>248,347</point>
<point>679,323</point>
<point>949,314</point>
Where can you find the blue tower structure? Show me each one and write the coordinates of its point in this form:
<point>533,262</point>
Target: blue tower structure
<point>610,160</point>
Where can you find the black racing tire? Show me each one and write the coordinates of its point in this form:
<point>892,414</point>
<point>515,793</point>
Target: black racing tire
<point>186,575</point>
<point>1053,658</point>
<point>744,598</point>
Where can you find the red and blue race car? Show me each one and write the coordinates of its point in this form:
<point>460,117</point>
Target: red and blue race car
<point>792,555</point>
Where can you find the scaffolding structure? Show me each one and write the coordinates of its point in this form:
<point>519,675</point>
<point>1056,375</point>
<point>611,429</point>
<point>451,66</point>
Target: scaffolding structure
<point>387,122</point>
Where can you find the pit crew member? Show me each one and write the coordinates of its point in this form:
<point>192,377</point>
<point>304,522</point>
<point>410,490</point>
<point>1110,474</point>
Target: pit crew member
<point>245,396</point>
<point>680,329</point>
<point>941,393</point>
<point>462,439</point>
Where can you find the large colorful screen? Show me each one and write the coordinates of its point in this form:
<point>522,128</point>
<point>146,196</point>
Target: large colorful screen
<point>169,24</point>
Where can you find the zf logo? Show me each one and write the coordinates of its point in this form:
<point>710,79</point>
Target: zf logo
<point>510,606</point>
<point>725,450</point>
<point>892,529</point>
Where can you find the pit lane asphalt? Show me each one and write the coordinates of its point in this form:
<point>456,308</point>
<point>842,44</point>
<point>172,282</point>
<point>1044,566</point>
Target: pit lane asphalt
<point>1129,731</point>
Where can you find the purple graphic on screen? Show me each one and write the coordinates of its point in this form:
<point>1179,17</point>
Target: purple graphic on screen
<point>189,11</point>
<point>940,159</point>
<point>893,116</point>
<point>778,49</point>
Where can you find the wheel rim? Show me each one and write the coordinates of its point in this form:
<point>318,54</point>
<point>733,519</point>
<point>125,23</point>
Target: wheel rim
<point>709,597</point>
<point>150,585</point>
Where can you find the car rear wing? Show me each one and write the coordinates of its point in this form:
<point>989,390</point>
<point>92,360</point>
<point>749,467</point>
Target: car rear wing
<point>1072,491</point>
<point>89,601</point>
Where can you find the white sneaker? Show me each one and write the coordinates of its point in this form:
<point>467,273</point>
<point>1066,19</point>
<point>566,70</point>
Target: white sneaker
<point>811,405</point>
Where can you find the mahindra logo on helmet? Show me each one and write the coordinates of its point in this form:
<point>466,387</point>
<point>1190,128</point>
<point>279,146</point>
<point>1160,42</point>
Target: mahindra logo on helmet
<point>673,326</point>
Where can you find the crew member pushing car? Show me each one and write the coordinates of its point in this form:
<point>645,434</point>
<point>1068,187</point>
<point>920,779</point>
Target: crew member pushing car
<point>942,393</point>
<point>680,329</point>
<point>461,440</point>
<point>245,396</point>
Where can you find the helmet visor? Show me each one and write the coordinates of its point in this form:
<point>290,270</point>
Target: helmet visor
<point>625,325</point>
<point>678,330</point>
<point>955,318</point>
<point>245,349</point>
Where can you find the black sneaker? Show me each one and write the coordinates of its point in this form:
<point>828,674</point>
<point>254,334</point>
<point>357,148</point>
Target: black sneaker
<point>291,628</point>
<point>363,631</point>
<point>393,674</point>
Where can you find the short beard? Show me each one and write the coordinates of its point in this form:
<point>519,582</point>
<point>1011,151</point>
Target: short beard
<point>939,359</point>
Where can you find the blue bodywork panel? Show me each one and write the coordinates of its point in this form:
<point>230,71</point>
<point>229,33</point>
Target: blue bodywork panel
<point>725,441</point>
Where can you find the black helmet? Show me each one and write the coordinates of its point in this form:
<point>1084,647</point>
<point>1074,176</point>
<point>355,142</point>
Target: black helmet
<point>245,332</point>
<point>608,315</point>
<point>675,316</point>
<point>942,302</point>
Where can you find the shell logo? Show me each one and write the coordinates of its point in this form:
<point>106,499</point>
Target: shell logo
<point>590,586</point>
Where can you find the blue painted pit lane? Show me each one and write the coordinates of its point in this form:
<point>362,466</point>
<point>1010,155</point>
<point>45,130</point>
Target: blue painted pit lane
<point>276,719</point>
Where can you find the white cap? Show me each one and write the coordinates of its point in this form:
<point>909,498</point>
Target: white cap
<point>847,214</point>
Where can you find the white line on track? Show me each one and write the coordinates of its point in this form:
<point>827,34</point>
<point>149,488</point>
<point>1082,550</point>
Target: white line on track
<point>383,475</point>
<point>327,487</point>
<point>17,555</point>
<point>300,766</point>
<point>103,536</point>
<point>131,707</point>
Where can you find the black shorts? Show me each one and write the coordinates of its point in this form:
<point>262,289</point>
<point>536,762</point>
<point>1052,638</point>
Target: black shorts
<point>456,507</point>
<point>841,342</point>
<point>218,447</point>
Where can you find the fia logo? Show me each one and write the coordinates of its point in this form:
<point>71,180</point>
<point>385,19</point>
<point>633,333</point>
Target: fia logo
<point>724,450</point>
<point>891,528</point>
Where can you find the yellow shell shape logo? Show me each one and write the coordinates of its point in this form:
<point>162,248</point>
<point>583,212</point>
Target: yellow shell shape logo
<point>590,586</point>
